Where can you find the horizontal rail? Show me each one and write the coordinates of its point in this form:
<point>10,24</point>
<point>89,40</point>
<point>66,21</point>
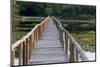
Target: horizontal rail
<point>27,35</point>
<point>24,45</point>
<point>71,47</point>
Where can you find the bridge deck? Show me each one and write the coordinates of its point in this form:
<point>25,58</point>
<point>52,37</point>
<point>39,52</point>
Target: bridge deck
<point>49,48</point>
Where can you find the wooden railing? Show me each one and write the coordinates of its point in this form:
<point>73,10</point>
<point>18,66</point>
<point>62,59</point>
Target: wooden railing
<point>24,46</point>
<point>72,49</point>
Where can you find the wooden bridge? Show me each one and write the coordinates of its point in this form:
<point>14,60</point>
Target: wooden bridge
<point>47,43</point>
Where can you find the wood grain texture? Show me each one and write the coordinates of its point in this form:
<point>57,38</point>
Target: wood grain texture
<point>49,48</point>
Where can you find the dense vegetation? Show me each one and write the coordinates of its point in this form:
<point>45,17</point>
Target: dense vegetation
<point>65,11</point>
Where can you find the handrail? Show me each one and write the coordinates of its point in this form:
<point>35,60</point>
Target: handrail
<point>28,42</point>
<point>70,45</point>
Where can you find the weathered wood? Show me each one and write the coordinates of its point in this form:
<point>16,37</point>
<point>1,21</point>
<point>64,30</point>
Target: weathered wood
<point>21,54</point>
<point>49,46</point>
<point>33,39</point>
<point>64,39</point>
<point>30,46</point>
<point>39,32</point>
<point>27,50</point>
<point>77,56</point>
<point>13,57</point>
<point>68,44</point>
<point>75,44</point>
<point>24,53</point>
<point>17,43</point>
<point>28,42</point>
<point>71,58</point>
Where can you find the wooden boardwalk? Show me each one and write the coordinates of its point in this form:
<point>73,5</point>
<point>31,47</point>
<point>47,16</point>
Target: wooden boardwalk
<point>49,48</point>
<point>47,43</point>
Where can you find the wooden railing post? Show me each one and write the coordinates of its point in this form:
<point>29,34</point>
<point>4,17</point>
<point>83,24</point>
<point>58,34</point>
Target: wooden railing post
<point>71,58</point>
<point>27,43</point>
<point>64,39</point>
<point>13,57</point>
<point>27,50</point>
<point>68,46</point>
<point>66,43</point>
<point>30,46</point>
<point>77,55</point>
<point>39,32</point>
<point>36,35</point>
<point>24,53</point>
<point>21,54</point>
<point>72,53</point>
<point>33,39</point>
<point>43,27</point>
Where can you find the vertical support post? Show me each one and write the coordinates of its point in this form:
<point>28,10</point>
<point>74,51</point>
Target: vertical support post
<point>65,45</point>
<point>71,58</point>
<point>77,56</point>
<point>24,53</point>
<point>64,39</point>
<point>72,53</point>
<point>68,46</point>
<point>13,57</point>
<point>30,46</point>
<point>43,26</point>
<point>27,50</point>
<point>33,39</point>
<point>21,54</point>
<point>36,35</point>
<point>38,32</point>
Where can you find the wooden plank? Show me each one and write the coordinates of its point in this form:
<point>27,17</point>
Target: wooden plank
<point>49,46</point>
<point>77,46</point>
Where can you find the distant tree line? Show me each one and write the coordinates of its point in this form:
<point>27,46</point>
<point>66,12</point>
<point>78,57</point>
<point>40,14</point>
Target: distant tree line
<point>67,11</point>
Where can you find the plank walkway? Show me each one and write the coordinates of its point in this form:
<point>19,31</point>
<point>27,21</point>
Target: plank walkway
<point>49,48</point>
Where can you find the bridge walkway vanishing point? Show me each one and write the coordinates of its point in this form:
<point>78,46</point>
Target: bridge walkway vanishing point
<point>47,43</point>
<point>49,48</point>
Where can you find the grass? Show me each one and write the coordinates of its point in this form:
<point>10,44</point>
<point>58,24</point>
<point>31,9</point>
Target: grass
<point>21,28</point>
<point>86,40</point>
<point>83,32</point>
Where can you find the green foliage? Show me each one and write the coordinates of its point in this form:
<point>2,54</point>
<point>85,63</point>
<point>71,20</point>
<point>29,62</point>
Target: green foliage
<point>83,32</point>
<point>86,39</point>
<point>66,11</point>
